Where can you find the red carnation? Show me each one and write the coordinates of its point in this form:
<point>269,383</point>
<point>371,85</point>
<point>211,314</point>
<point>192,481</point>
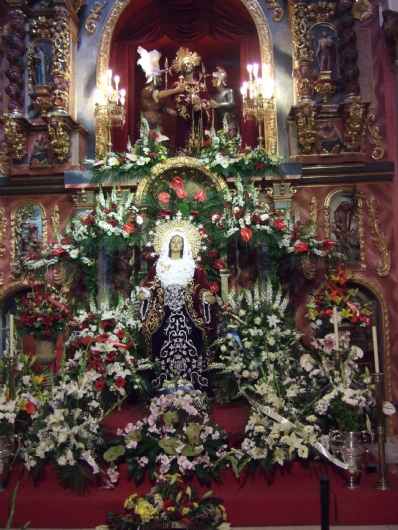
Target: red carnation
<point>212,252</point>
<point>168,503</point>
<point>120,334</point>
<point>177,182</point>
<point>246,234</point>
<point>164,197</point>
<point>202,231</point>
<point>194,213</point>
<point>255,218</point>
<point>128,227</point>
<point>278,223</point>
<point>99,385</point>
<point>120,382</point>
<point>30,407</point>
<point>181,193</point>
<point>239,213</point>
<point>218,264</point>
<point>301,246</point>
<point>214,287</point>
<point>152,154</point>
<point>165,213</point>
<point>200,196</point>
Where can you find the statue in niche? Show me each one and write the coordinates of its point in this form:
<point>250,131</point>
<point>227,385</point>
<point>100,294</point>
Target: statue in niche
<point>152,107</point>
<point>326,52</point>
<point>328,138</point>
<point>39,155</point>
<point>31,243</point>
<point>192,104</point>
<point>40,65</point>
<point>224,101</point>
<point>345,228</point>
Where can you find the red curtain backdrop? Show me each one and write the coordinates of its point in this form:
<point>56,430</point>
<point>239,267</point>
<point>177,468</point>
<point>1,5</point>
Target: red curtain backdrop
<point>220,31</point>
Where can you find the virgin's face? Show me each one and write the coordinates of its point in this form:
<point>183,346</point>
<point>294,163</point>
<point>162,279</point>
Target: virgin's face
<point>176,244</point>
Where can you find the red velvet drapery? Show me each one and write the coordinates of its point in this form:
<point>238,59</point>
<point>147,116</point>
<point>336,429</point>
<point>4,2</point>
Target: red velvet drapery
<point>221,31</point>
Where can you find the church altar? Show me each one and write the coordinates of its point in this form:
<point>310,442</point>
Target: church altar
<point>288,495</point>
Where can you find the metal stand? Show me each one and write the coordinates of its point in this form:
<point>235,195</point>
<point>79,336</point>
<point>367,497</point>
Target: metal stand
<point>336,355</point>
<point>383,483</point>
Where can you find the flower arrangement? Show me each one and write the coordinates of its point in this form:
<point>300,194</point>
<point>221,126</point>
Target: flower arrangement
<point>106,343</point>
<point>8,413</point>
<point>224,154</point>
<point>168,502</point>
<point>177,436</point>
<point>114,223</point>
<point>260,359</point>
<point>135,163</point>
<point>346,399</point>
<point>43,313</point>
<point>334,292</point>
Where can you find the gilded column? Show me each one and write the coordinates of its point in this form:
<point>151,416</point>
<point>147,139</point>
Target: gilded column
<point>14,32</point>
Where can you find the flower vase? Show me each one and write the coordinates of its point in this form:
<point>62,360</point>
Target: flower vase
<point>351,447</point>
<point>45,351</point>
<point>7,456</point>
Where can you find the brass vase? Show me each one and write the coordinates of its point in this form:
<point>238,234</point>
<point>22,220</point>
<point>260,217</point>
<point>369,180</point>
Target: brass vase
<point>45,351</point>
<point>10,445</point>
<point>352,447</point>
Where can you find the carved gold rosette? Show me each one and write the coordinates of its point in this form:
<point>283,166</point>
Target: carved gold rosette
<point>267,58</point>
<point>362,9</point>
<point>383,268</point>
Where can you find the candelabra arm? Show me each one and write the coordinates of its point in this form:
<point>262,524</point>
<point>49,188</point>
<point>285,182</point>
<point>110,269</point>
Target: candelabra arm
<point>382,483</point>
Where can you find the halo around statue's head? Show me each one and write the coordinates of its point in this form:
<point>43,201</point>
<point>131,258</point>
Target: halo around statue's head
<point>182,55</point>
<point>190,231</point>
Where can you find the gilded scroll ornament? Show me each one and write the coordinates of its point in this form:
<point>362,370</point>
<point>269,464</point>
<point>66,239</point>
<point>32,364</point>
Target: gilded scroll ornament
<point>3,224</point>
<point>55,220</point>
<point>322,11</point>
<point>354,126</point>
<point>59,138</point>
<point>362,10</point>
<point>375,139</point>
<point>302,36</point>
<point>61,53</point>
<point>378,239</point>
<point>13,145</point>
<point>277,11</point>
<point>306,126</point>
<point>94,16</point>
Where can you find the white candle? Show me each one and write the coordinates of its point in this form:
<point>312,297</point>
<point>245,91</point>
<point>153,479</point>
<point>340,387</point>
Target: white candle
<point>375,349</point>
<point>11,335</point>
<point>336,329</point>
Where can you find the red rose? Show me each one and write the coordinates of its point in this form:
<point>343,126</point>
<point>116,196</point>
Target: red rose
<point>212,252</point>
<point>255,218</point>
<point>177,182</point>
<point>120,334</point>
<point>239,213</point>
<point>218,264</point>
<point>152,135</point>
<point>328,244</point>
<point>164,197</point>
<point>246,234</point>
<point>129,228</point>
<point>112,222</point>
<point>121,159</point>
<point>30,407</point>
<point>301,246</point>
<point>200,196</point>
<point>99,385</point>
<point>152,154</point>
<point>120,382</point>
<point>259,164</point>
<point>278,223</point>
<point>202,231</point>
<point>214,287</point>
<point>194,213</point>
<point>168,503</point>
<point>181,193</point>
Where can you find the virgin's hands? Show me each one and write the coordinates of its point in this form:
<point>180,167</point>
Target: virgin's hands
<point>141,296</point>
<point>210,298</point>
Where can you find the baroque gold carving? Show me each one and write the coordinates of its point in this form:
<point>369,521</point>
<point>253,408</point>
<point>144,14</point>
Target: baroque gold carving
<point>59,138</point>
<point>378,239</point>
<point>302,36</point>
<point>1,278</point>
<point>322,11</point>
<point>314,210</point>
<point>375,139</point>
<point>13,145</point>
<point>61,49</point>
<point>42,105</point>
<point>354,126</point>
<point>3,224</point>
<point>42,27</point>
<point>306,126</point>
<point>362,10</point>
<point>94,16</point>
<point>308,268</point>
<point>266,50</point>
<point>55,220</point>
<point>277,10</point>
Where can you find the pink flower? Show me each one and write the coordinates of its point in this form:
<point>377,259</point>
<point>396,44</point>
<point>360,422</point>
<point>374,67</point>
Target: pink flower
<point>177,182</point>
<point>164,197</point>
<point>200,196</point>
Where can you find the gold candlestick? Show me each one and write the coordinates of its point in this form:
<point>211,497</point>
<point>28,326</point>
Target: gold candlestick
<point>336,355</point>
<point>382,483</point>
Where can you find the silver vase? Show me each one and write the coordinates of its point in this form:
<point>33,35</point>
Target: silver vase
<point>45,351</point>
<point>352,447</point>
<point>10,445</point>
